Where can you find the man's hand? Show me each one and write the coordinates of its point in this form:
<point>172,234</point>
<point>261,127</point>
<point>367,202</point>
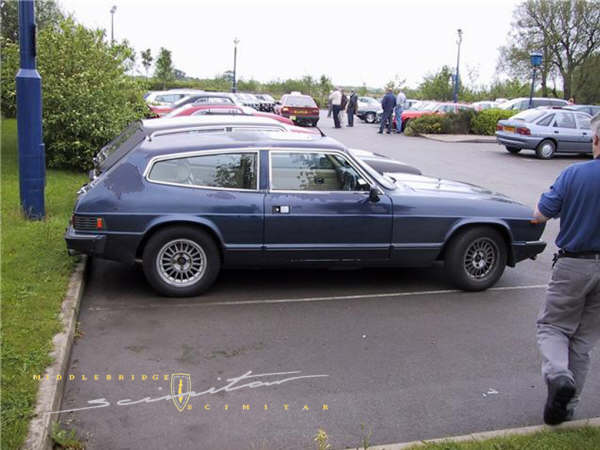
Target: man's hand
<point>538,217</point>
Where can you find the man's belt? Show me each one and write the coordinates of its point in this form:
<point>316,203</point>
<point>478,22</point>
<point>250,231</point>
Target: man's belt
<point>579,255</point>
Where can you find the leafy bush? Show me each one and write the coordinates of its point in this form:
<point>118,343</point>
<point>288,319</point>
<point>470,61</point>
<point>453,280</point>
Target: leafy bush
<point>485,121</point>
<point>428,124</point>
<point>87,96</point>
<point>460,123</point>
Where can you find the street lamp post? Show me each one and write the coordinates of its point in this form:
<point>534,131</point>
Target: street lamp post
<point>112,24</point>
<point>456,78</point>
<point>536,61</point>
<point>236,41</point>
<point>32,153</point>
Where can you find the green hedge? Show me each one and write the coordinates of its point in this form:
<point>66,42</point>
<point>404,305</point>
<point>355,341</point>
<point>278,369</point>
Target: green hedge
<point>465,122</point>
<point>485,121</point>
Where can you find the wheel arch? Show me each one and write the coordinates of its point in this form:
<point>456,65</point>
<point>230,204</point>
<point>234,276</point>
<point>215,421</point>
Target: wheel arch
<point>167,222</point>
<point>497,225</point>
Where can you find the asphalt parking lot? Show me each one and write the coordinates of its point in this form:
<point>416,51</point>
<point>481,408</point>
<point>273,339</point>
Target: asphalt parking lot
<point>395,355</point>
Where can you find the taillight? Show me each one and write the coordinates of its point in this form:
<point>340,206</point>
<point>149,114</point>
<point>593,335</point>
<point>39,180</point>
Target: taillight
<point>498,127</point>
<point>99,223</point>
<point>285,109</point>
<point>524,131</point>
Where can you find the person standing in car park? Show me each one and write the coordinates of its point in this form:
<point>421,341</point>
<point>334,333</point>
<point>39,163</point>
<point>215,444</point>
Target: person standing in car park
<point>352,107</point>
<point>400,106</point>
<point>568,325</point>
<point>336,100</point>
<point>387,103</point>
<point>343,106</point>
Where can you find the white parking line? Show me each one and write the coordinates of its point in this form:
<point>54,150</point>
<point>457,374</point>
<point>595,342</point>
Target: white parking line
<point>306,299</point>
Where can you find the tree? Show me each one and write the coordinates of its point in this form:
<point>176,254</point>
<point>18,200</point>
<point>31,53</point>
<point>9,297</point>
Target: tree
<point>88,98</point>
<point>147,60</point>
<point>47,13</point>
<point>164,71</point>
<point>437,86</point>
<point>567,33</point>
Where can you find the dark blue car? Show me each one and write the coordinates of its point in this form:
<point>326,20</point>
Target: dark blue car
<point>188,204</point>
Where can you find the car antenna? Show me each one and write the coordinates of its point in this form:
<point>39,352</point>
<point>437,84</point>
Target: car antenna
<point>321,131</point>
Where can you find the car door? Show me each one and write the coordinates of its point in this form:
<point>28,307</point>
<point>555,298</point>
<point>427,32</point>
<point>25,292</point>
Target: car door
<point>584,128</point>
<point>318,208</point>
<point>565,132</point>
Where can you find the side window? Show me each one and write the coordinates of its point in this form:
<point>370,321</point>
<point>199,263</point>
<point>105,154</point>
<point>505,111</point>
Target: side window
<point>226,170</point>
<point>546,121</point>
<point>305,171</point>
<point>583,122</point>
<point>201,100</point>
<point>565,120</point>
<point>219,100</point>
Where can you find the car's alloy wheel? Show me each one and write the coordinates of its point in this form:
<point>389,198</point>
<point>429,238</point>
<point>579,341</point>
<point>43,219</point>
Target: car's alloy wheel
<point>545,149</point>
<point>476,258</point>
<point>513,150</point>
<point>181,261</point>
<point>370,118</point>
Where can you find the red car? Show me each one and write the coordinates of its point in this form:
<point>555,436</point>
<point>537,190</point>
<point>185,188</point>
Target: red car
<point>429,108</point>
<point>301,109</point>
<point>196,110</point>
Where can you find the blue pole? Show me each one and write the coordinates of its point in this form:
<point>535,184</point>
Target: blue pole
<point>32,158</point>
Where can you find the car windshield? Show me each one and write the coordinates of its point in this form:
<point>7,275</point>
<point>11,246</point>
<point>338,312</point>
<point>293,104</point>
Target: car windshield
<point>511,103</point>
<point>120,146</point>
<point>268,98</point>
<point>530,115</point>
<point>300,101</point>
<point>431,106</point>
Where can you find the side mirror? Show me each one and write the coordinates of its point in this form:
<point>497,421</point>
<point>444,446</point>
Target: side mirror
<point>374,194</point>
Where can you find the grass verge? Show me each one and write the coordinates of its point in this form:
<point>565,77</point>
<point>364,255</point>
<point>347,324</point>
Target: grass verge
<point>35,270</point>
<point>561,439</point>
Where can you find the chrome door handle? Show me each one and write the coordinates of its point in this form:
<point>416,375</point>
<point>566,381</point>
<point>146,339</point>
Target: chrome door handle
<point>281,209</point>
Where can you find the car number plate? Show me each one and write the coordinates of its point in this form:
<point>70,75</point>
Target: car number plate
<point>509,129</point>
<point>292,117</point>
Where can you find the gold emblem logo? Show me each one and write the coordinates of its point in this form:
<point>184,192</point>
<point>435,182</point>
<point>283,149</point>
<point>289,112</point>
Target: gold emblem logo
<point>181,388</point>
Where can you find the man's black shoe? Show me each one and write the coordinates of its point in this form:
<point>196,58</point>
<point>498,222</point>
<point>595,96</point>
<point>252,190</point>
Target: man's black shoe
<point>560,392</point>
<point>388,132</point>
<point>380,132</point>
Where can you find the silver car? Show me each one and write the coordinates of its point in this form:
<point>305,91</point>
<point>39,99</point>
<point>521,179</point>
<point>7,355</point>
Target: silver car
<point>546,131</point>
<point>368,109</point>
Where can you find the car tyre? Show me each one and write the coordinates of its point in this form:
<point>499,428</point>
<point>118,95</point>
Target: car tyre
<point>513,150</point>
<point>181,261</point>
<point>545,149</point>
<point>476,258</point>
<point>370,117</point>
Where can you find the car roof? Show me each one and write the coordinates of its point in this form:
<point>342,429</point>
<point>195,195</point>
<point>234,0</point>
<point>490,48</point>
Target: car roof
<point>151,125</point>
<point>191,142</point>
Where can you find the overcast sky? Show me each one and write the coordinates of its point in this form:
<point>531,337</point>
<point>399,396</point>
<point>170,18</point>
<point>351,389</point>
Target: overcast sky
<point>352,42</point>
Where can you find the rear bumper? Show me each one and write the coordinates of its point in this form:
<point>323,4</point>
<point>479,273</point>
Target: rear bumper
<point>515,140</point>
<point>116,247</point>
<point>90,244</point>
<point>527,249</point>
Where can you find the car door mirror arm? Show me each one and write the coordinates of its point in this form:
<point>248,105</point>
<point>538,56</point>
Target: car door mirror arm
<point>374,194</point>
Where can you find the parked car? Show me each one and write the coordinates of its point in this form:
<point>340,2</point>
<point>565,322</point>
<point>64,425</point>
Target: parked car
<point>163,97</point>
<point>189,204</point>
<point>203,110</point>
<point>369,109</point>
<point>522,103</point>
<point>430,108</point>
<point>383,164</point>
<point>486,104</point>
<point>592,110</point>
<point>546,131</point>
<point>301,109</point>
<point>210,98</point>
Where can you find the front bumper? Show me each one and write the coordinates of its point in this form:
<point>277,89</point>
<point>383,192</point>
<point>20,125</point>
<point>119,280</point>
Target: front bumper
<point>527,249</point>
<point>515,140</point>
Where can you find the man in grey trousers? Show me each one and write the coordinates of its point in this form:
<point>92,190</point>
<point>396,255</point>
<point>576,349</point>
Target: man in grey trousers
<point>568,325</point>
